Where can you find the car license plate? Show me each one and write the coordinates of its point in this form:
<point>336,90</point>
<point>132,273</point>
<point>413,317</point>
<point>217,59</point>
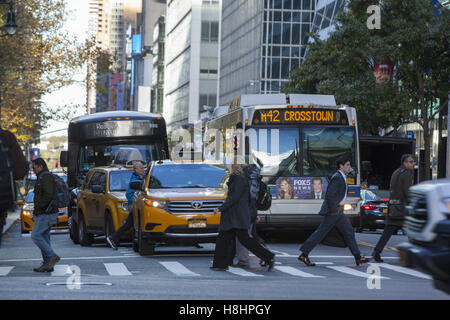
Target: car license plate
<point>384,210</point>
<point>197,223</point>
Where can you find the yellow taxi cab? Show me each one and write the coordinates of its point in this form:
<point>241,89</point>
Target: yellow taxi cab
<point>175,204</point>
<point>102,206</point>
<point>26,215</point>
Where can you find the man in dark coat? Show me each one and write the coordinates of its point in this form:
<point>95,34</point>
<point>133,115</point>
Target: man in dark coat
<point>45,214</point>
<point>401,180</point>
<point>235,221</point>
<point>333,211</point>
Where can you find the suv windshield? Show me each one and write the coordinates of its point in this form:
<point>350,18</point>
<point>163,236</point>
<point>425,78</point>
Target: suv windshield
<point>187,176</point>
<point>119,180</point>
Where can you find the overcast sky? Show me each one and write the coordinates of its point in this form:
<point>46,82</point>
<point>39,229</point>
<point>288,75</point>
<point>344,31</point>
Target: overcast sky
<point>77,24</point>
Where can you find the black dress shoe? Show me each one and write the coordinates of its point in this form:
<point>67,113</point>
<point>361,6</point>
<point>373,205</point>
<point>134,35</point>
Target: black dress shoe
<point>360,260</point>
<point>377,258</point>
<point>218,269</point>
<point>306,260</point>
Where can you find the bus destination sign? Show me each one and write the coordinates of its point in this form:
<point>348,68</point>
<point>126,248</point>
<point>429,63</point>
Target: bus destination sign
<point>299,116</point>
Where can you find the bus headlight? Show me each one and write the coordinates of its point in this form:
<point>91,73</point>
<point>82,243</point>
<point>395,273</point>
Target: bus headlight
<point>155,203</point>
<point>348,207</point>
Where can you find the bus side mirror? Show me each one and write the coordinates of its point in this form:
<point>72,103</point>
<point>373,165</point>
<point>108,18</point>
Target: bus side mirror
<point>136,185</point>
<point>64,159</point>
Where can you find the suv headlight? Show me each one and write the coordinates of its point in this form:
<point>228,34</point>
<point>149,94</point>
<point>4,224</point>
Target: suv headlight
<point>155,203</point>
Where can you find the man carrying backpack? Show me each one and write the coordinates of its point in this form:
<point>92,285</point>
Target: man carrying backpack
<point>13,166</point>
<point>45,214</point>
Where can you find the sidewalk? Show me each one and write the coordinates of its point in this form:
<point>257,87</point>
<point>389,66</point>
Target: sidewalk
<point>13,216</point>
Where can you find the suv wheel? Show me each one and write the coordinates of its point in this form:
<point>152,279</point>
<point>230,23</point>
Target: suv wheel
<point>145,247</point>
<point>85,238</point>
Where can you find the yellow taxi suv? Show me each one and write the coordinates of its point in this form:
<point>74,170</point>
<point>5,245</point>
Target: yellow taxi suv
<point>175,203</point>
<point>101,204</point>
<point>26,215</point>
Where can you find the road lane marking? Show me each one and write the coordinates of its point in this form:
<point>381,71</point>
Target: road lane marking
<point>5,270</point>
<point>242,272</point>
<point>356,273</point>
<point>61,270</point>
<point>177,268</point>
<point>117,269</point>
<point>403,270</point>
<point>296,272</point>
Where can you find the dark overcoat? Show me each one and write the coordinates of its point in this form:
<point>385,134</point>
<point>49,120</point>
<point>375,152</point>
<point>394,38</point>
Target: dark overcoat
<point>401,180</point>
<point>235,212</point>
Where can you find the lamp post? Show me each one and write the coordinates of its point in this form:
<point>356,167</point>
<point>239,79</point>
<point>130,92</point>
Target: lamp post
<point>10,25</point>
<point>10,28</point>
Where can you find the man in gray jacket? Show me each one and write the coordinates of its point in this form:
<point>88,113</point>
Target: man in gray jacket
<point>401,180</point>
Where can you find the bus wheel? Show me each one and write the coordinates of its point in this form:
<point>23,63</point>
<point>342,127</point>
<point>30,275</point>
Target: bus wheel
<point>86,239</point>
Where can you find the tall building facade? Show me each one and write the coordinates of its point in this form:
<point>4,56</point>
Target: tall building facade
<point>261,42</point>
<point>191,59</point>
<point>159,38</point>
<point>108,21</point>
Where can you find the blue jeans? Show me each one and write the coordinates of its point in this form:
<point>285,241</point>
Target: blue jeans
<point>41,234</point>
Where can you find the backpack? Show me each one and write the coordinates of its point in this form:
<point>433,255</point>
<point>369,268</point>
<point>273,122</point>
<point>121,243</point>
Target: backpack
<point>7,188</point>
<point>264,200</point>
<point>61,198</point>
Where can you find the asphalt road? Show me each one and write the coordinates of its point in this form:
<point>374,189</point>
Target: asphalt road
<point>182,273</point>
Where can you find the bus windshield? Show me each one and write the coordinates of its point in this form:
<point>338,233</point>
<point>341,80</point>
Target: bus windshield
<point>283,154</point>
<point>106,154</point>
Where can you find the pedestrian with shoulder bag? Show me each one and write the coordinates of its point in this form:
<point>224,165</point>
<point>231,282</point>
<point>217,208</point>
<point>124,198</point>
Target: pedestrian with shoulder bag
<point>401,180</point>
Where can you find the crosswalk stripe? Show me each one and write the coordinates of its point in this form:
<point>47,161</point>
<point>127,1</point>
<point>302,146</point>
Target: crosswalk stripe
<point>177,268</point>
<point>61,270</point>
<point>354,272</point>
<point>296,272</point>
<point>242,272</point>
<point>117,269</point>
<point>403,270</point>
<point>5,270</point>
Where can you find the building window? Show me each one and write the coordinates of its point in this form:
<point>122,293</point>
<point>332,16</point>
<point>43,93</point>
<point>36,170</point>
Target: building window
<point>210,31</point>
<point>207,100</point>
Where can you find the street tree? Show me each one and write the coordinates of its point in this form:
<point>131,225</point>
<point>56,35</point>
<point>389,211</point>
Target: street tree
<point>40,58</point>
<point>413,37</point>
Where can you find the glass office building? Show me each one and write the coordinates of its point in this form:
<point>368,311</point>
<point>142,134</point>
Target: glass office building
<point>261,42</point>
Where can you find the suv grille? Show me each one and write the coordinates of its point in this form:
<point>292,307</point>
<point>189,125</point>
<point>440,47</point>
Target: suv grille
<point>417,212</point>
<point>195,206</point>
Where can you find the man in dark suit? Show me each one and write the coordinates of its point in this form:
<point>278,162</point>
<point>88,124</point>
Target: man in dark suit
<point>333,211</point>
